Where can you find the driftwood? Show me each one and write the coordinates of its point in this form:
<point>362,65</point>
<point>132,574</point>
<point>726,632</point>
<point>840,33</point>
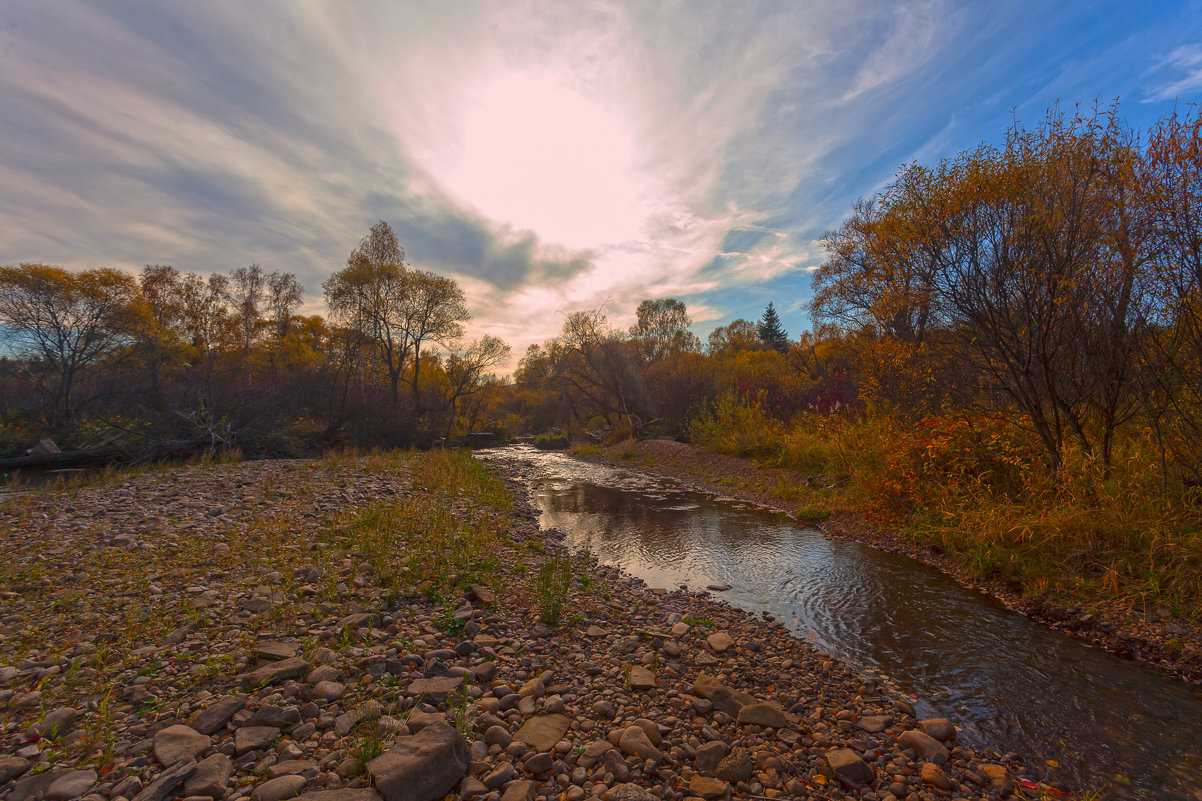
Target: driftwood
<point>109,454</point>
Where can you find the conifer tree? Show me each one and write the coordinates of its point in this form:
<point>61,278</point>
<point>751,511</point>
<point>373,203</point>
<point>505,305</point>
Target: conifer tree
<point>770,331</point>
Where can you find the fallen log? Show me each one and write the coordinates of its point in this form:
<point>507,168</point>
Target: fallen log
<point>109,454</point>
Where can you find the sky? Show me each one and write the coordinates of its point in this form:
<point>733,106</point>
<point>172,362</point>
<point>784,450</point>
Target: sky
<point>551,157</point>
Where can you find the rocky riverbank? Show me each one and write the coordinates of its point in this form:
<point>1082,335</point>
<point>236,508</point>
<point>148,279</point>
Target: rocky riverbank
<point>231,632</point>
<point>1147,635</point>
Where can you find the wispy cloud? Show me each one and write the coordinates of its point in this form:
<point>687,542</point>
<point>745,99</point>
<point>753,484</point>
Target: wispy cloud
<point>1185,66</point>
<point>550,156</point>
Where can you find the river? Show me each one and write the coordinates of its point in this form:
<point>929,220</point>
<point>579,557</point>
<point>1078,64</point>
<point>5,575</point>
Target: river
<point>1095,720</point>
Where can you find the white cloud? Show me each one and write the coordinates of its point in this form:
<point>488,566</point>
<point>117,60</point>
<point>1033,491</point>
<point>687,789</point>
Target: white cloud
<point>1186,59</point>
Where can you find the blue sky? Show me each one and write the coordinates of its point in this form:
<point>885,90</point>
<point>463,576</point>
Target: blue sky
<point>550,156</point>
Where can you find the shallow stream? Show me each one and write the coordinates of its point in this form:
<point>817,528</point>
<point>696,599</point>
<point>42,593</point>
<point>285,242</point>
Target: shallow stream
<point>1010,683</point>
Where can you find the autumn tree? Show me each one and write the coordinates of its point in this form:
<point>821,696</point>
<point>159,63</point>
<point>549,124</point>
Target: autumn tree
<point>369,296</point>
<point>735,336</point>
<point>662,329</point>
<point>67,321</point>
<point>433,310</point>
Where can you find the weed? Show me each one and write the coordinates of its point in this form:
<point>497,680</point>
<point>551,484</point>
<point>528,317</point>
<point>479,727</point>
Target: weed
<point>552,586</point>
<point>448,622</point>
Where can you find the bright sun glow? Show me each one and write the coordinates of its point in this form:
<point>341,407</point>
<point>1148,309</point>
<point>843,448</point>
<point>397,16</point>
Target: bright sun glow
<point>540,156</point>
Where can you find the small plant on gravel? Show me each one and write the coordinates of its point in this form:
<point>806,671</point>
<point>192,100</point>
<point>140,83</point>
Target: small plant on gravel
<point>458,703</point>
<point>447,621</point>
<point>100,735</point>
<point>367,746</point>
<point>552,586</point>
<point>627,668</point>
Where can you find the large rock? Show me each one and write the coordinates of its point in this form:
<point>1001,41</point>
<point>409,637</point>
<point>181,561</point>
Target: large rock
<point>635,742</point>
<point>345,794</point>
<point>709,756</point>
<point>522,790</point>
<point>36,784</point>
<point>74,784</point>
<point>275,672</point>
<point>731,701</point>
<point>177,743</point>
<point>736,767</point>
<point>214,717</point>
<point>627,792</point>
<point>274,650</point>
<point>939,728</point>
<point>56,724</point>
<point>421,767</point>
<point>167,781</point>
<point>279,789</point>
<point>11,767</point>
<point>933,776</point>
<point>254,738</point>
<point>707,788</point>
<point>211,778</point>
<point>720,642</point>
<point>641,678</point>
<point>874,724</point>
<point>849,768</point>
<point>543,732</point>
<point>705,685</point>
<point>998,779</point>
<point>435,690</point>
<point>763,714</point>
<point>924,745</point>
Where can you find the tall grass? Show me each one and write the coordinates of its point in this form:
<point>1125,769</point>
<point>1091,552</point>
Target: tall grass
<point>442,538</point>
<point>978,490</point>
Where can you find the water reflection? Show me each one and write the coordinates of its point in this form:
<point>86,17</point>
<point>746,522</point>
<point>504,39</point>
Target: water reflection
<point>1009,682</point>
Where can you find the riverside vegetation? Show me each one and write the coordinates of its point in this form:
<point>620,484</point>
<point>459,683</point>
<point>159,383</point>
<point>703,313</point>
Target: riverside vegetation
<point>374,625</point>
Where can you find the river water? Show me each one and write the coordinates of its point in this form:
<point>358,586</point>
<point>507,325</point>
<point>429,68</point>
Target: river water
<point>1012,684</point>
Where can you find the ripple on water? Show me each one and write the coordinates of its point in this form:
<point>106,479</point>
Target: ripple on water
<point>1006,680</point>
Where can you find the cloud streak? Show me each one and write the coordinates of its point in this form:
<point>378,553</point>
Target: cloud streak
<point>549,156</point>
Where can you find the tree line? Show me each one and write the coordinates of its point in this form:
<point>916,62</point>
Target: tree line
<point>1054,281</point>
<point>226,356</point>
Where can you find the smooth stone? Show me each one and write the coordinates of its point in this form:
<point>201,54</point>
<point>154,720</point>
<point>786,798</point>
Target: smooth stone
<point>707,788</point>
<point>214,717</point>
<point>343,794</point>
<point>934,776</point>
<point>874,724</point>
<point>849,768</point>
<point>74,784</point>
<point>763,714</point>
<point>177,743</point>
<point>641,678</point>
<point>167,781</point>
<point>254,738</point>
<point>274,650</point>
<point>543,732</point>
<point>634,742</point>
<point>279,789</point>
<point>520,791</point>
<point>924,745</point>
<point>939,728</point>
<point>720,642</point>
<point>422,766</point>
<point>11,767</point>
<point>435,689</point>
<point>276,672</point>
<point>211,777</point>
<point>710,755</point>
